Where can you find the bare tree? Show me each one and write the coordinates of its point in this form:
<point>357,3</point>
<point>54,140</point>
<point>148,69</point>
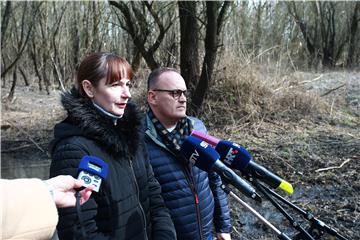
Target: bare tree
<point>325,35</point>
<point>189,38</point>
<point>308,36</point>
<point>257,27</point>
<point>5,22</point>
<point>10,97</point>
<point>215,19</point>
<point>75,37</point>
<point>55,57</point>
<point>135,22</point>
<point>22,34</point>
<point>45,40</point>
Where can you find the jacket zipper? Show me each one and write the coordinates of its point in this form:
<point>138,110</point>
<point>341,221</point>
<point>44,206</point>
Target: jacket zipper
<point>138,198</point>
<point>190,180</point>
<point>189,177</point>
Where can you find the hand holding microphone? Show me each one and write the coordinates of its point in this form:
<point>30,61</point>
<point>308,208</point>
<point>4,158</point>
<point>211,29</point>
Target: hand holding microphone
<point>92,171</point>
<point>237,157</point>
<point>63,189</point>
<point>206,158</point>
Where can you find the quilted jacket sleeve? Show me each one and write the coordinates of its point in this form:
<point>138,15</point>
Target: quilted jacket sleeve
<point>162,225</point>
<point>221,213</point>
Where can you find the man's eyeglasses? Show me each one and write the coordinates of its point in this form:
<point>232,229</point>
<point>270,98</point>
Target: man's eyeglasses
<point>176,93</point>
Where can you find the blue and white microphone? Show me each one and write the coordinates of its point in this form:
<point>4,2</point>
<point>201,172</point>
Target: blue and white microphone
<point>92,171</point>
<point>203,156</point>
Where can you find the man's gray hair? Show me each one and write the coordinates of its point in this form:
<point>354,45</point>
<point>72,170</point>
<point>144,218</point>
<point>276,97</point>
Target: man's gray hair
<point>155,74</point>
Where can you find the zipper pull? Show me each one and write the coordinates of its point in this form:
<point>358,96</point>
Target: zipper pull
<point>196,199</point>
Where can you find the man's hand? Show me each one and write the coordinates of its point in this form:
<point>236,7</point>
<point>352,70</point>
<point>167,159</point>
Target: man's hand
<point>223,236</point>
<point>63,188</point>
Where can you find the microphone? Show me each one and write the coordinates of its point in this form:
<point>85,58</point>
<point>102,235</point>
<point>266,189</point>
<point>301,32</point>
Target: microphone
<point>237,157</point>
<point>92,171</point>
<point>203,156</point>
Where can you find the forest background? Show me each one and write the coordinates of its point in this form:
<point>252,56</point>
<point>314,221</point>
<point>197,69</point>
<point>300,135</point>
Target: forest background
<point>280,78</point>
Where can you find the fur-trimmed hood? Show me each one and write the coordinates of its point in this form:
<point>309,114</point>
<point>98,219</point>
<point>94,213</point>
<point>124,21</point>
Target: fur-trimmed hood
<point>85,120</point>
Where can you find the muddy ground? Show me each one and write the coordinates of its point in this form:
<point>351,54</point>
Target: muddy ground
<point>319,156</point>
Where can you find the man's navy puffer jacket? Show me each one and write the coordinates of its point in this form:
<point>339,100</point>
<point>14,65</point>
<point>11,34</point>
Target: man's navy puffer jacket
<point>195,199</point>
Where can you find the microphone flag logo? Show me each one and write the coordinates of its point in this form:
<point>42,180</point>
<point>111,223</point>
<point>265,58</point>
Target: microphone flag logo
<point>193,157</point>
<point>204,144</point>
<point>230,156</point>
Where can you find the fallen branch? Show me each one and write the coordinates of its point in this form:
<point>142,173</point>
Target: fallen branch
<point>335,167</point>
<point>333,89</point>
<point>28,135</point>
<point>18,147</point>
<point>313,80</point>
<point>303,82</point>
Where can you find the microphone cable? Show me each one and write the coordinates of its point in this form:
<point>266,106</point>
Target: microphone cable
<point>79,214</point>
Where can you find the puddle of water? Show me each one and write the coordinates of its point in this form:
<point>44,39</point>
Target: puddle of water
<point>247,226</point>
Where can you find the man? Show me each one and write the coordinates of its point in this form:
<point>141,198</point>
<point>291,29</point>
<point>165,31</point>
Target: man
<point>194,197</point>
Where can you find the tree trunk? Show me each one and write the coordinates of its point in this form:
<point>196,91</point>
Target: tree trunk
<point>350,62</point>
<point>328,35</point>
<point>257,32</point>
<point>13,85</point>
<point>36,68</point>
<point>3,56</point>
<point>24,76</point>
<point>55,59</point>
<point>45,56</point>
<point>5,22</point>
<point>57,74</point>
<point>150,60</point>
<point>135,23</point>
<point>189,61</point>
<point>24,38</point>
<point>135,63</point>
<point>76,38</point>
<point>309,40</point>
<point>95,28</point>
<point>213,28</point>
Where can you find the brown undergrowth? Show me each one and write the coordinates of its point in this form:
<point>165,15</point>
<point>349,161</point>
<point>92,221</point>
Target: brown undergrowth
<point>298,134</point>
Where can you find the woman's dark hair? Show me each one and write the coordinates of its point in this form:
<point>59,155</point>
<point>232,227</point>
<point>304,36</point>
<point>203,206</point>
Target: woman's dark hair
<point>97,66</point>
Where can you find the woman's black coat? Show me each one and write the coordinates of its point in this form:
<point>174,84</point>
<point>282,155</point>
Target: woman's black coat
<point>129,204</point>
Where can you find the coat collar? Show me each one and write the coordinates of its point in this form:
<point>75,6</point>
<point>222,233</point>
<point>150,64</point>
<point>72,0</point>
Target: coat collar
<point>122,138</point>
<point>151,132</point>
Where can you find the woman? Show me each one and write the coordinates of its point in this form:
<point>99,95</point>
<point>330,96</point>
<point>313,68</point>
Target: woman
<point>102,122</point>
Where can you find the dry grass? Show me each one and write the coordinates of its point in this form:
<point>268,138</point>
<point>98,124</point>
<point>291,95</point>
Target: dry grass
<point>293,131</point>
<point>250,94</point>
